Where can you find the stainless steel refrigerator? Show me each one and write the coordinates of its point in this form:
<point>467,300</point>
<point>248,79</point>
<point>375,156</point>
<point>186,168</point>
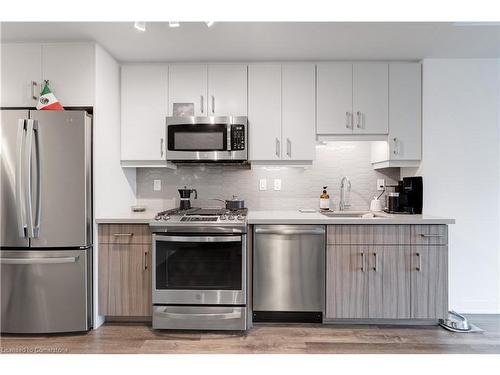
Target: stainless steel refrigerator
<point>46,221</point>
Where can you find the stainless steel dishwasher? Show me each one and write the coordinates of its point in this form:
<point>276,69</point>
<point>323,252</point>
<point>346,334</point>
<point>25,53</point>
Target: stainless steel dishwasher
<point>288,273</point>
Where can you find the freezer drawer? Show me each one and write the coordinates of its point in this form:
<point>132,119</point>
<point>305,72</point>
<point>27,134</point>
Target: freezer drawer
<point>200,317</point>
<point>289,268</point>
<point>45,291</point>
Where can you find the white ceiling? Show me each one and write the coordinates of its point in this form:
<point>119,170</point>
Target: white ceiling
<point>257,41</point>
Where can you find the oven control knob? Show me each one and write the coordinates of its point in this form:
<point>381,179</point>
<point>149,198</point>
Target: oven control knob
<point>157,217</point>
<point>231,217</point>
<point>241,217</point>
<point>165,217</point>
<point>223,217</point>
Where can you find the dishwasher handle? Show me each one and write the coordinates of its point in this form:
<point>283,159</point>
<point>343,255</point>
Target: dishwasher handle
<point>286,232</point>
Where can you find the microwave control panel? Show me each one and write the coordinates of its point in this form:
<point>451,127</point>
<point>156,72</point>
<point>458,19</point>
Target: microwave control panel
<point>237,137</point>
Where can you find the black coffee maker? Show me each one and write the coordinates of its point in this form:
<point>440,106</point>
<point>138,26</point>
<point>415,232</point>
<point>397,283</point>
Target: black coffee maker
<point>407,198</point>
<point>185,202</point>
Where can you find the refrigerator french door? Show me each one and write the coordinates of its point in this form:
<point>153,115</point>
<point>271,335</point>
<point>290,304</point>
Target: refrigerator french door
<point>46,221</point>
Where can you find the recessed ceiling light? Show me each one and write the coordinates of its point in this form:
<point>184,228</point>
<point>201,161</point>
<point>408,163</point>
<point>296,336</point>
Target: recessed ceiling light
<point>210,23</point>
<point>174,24</point>
<point>141,26</point>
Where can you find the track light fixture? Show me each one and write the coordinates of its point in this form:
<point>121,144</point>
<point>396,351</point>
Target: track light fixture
<point>173,23</point>
<point>141,26</point>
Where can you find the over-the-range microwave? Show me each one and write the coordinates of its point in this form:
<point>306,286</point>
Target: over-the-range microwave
<point>207,139</point>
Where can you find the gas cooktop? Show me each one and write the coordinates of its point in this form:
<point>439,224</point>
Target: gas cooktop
<point>199,219</point>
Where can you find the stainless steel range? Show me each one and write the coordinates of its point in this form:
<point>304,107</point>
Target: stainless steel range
<point>200,269</point>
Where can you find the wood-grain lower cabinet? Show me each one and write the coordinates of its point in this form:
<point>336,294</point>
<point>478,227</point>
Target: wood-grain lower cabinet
<point>124,270</point>
<point>429,282</point>
<point>368,282</point>
<point>387,272</point>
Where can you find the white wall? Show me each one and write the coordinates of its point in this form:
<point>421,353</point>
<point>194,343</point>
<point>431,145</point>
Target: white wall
<point>114,187</point>
<point>460,167</point>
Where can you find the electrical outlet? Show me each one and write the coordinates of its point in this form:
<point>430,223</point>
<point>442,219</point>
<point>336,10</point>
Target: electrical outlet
<point>157,185</point>
<point>262,184</point>
<point>277,184</point>
<point>380,184</point>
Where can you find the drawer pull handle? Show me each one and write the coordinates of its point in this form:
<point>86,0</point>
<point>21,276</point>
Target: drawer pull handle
<point>375,267</point>
<point>431,235</point>
<point>123,234</point>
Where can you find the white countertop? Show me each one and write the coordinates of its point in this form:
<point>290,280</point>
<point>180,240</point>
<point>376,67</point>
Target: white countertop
<point>128,218</point>
<point>291,217</point>
<point>296,217</point>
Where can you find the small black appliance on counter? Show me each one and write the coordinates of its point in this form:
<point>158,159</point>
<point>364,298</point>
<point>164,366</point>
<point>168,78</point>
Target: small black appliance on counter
<point>408,197</point>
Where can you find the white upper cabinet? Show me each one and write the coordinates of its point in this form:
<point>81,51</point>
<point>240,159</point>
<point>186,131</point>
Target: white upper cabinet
<point>334,98</point>
<point>188,84</point>
<point>143,111</point>
<point>70,71</point>
<point>264,111</point>
<point>370,99</point>
<point>403,147</point>
<point>21,74</point>
<point>298,111</point>
<point>227,90</point>
<point>405,108</point>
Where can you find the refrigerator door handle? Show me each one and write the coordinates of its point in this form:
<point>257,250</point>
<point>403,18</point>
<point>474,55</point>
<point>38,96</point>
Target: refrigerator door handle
<point>27,179</point>
<point>36,132</point>
<point>20,207</point>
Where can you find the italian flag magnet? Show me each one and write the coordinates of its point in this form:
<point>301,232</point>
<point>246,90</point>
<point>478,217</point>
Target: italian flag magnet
<point>48,100</point>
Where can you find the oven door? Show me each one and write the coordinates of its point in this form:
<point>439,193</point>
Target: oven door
<point>199,270</point>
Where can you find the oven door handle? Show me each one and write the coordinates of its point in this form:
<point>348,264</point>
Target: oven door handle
<point>199,238</point>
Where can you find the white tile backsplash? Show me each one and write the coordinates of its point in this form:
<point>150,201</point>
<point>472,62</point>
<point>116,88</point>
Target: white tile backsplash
<point>300,188</point>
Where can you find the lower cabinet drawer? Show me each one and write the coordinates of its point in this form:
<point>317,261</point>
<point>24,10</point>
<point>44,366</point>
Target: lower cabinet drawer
<point>124,233</point>
<point>368,234</point>
<point>429,234</point>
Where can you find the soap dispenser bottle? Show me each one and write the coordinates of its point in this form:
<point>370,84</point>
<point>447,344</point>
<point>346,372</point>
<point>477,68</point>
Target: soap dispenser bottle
<point>324,200</point>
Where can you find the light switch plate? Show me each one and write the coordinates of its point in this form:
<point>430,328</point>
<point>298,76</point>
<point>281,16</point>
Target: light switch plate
<point>262,184</point>
<point>157,185</point>
<point>380,184</point>
<point>277,184</point>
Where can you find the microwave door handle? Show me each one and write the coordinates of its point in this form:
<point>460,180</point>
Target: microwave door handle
<point>27,170</point>
<point>20,206</point>
<point>228,147</point>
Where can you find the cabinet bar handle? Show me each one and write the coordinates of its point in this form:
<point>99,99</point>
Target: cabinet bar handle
<point>396,146</point>
<point>33,86</point>
<point>431,235</point>
<point>358,125</point>
<point>375,267</point>
<point>123,234</point>
<point>201,103</point>
<point>161,147</point>
<point>348,120</point>
<point>419,264</point>
<point>213,104</point>
<point>289,147</point>
<point>362,262</point>
<point>145,260</point>
<point>278,151</point>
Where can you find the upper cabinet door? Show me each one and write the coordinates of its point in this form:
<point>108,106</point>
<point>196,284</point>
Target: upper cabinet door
<point>227,90</point>
<point>371,98</point>
<point>298,111</point>
<point>264,111</point>
<point>188,84</point>
<point>70,71</point>
<point>21,70</point>
<point>143,112</point>
<point>334,98</point>
<point>405,126</point>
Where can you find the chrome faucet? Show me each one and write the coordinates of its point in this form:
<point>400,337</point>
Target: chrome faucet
<point>345,186</point>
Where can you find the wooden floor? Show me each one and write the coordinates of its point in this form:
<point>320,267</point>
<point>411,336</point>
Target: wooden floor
<point>266,338</point>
